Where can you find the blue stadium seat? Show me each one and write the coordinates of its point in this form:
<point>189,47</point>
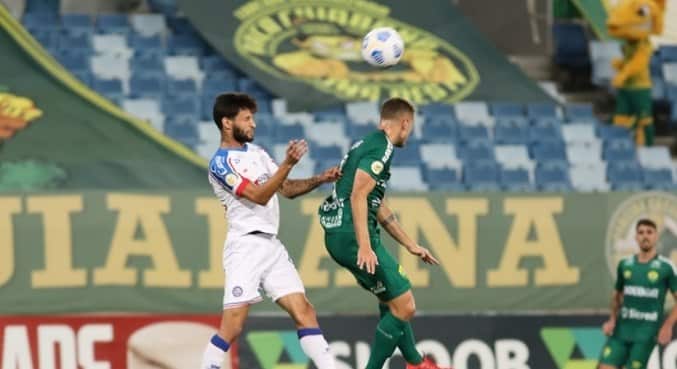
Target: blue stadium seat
<point>183,131</point>
<point>506,110</point>
<point>515,180</point>
<point>443,180</point>
<point>410,154</point>
<point>668,53</point>
<point>284,133</point>
<point>545,130</point>
<point>109,88</point>
<point>68,42</point>
<point>579,112</point>
<point>658,88</point>
<point>77,24</point>
<point>552,178</point>
<point>148,66</point>
<point>625,176</point>
<point>112,23</point>
<point>48,39</point>
<point>541,110</point>
<point>507,134</point>
<point>214,86</point>
<point>609,132</point>
<point>619,149</point>
<point>184,87</point>
<point>40,21</point>
<point>167,7</point>
<point>659,179</point>
<point>73,61</point>
<point>437,109</point>
<point>147,45</point>
<point>180,25</point>
<point>477,151</point>
<point>549,150</point>
<point>439,131</point>
<point>481,176</point>
<point>472,133</point>
<point>212,63</point>
<point>182,108</point>
<point>84,76</point>
<point>147,87</point>
<point>326,153</point>
<point>185,45</point>
<point>357,131</point>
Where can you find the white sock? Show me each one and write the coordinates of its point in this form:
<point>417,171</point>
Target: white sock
<point>316,348</point>
<point>215,353</point>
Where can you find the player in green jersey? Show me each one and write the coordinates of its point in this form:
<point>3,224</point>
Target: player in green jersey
<point>351,216</point>
<point>634,326</point>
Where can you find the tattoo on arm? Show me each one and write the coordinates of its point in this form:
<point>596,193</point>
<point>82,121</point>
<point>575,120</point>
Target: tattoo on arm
<point>389,219</point>
<point>296,187</point>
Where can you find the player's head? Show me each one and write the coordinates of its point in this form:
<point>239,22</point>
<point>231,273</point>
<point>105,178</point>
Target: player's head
<point>398,115</point>
<point>646,234</point>
<point>234,115</point>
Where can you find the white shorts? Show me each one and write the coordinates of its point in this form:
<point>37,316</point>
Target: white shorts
<point>255,262</point>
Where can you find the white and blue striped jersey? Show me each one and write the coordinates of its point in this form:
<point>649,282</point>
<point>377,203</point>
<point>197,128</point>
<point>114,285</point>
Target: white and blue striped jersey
<point>230,171</point>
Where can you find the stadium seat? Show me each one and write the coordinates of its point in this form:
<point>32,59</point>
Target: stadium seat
<point>670,73</point>
<point>579,113</point>
<point>515,180</point>
<point>185,87</point>
<point>147,87</point>
<point>109,88</point>
<point>608,132</point>
<point>147,45</point>
<point>185,45</point>
<point>145,109</point>
<point>545,130</point>
<point>216,63</point>
<point>589,178</point>
<point>605,50</point>
<point>579,134</point>
<point>619,150</point>
<point>473,113</point>
<point>148,25</point>
<point>552,178</point>
<point>506,110</point>
<point>285,133</point>
<point>478,151</point>
<point>481,177</point>
<point>439,155</point>
<point>407,178</point>
<point>111,67</point>
<point>580,155</point>
<point>549,150</point>
<point>625,176</point>
<point>182,108</point>
<point>112,23</point>
<point>184,67</point>
<point>363,112</point>
<point>659,179</point>
<point>184,132</point>
<point>77,24</point>
<point>439,130</point>
<point>326,134</point>
<point>437,109</point>
<point>571,45</point>
<point>69,43</point>
<point>111,44</point>
<point>508,134</point>
<point>150,66</point>
<point>443,179</point>
<point>541,110</point>
<point>208,133</point>
<point>473,133</point>
<point>326,153</point>
<point>514,157</point>
<point>668,53</point>
<point>656,157</point>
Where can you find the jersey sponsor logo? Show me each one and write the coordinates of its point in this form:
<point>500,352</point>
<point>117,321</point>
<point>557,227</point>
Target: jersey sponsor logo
<point>634,314</point>
<point>231,179</point>
<point>388,153</point>
<point>319,44</point>
<point>620,236</point>
<point>639,291</point>
<point>377,167</point>
<point>331,213</point>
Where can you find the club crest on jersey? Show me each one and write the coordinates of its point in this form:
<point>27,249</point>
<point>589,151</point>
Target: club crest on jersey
<point>237,291</point>
<point>652,275</point>
<point>620,241</point>
<point>231,179</point>
<point>377,167</point>
<point>627,274</point>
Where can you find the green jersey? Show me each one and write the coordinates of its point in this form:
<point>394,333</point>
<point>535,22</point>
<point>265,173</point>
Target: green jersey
<point>644,286</point>
<point>373,155</point>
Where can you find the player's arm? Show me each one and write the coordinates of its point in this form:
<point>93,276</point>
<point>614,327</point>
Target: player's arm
<point>388,220</point>
<point>362,186</point>
<point>665,333</point>
<point>616,302</point>
<point>292,188</point>
<point>261,194</point>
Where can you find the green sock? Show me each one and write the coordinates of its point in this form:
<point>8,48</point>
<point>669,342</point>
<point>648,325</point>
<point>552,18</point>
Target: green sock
<point>388,332</point>
<point>407,343</point>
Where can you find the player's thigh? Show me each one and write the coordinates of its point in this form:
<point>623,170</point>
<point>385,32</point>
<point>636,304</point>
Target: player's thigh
<point>614,353</point>
<point>281,277</point>
<point>639,355</point>
<point>244,261</point>
<point>390,273</point>
<point>342,247</point>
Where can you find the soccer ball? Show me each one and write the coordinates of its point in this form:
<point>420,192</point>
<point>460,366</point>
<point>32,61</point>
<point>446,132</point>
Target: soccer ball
<point>382,47</point>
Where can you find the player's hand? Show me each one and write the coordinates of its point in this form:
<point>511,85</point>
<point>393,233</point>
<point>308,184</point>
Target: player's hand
<point>665,334</point>
<point>330,175</point>
<point>295,151</point>
<point>608,327</point>
<point>424,254</point>
<point>366,259</point>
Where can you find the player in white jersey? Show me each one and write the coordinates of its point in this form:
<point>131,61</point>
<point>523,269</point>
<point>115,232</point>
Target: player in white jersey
<point>246,180</point>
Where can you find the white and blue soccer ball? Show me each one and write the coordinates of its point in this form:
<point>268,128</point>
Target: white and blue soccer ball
<point>382,47</point>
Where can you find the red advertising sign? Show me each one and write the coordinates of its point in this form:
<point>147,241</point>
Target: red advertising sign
<point>107,341</point>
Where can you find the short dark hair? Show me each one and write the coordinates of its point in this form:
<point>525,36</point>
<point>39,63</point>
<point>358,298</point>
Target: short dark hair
<point>646,222</point>
<point>394,107</point>
<point>229,104</point>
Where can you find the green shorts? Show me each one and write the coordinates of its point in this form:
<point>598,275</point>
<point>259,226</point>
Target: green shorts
<point>635,102</point>
<point>388,282</point>
<point>630,355</point>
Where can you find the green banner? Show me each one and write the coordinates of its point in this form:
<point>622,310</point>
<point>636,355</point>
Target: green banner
<point>308,51</point>
<point>57,133</point>
<point>595,12</point>
<point>162,251</point>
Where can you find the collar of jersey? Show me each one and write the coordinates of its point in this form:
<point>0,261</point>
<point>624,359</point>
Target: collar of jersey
<point>636,258</point>
<point>243,148</point>
<point>386,136</point>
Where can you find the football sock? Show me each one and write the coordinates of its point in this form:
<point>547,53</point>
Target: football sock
<point>407,343</point>
<point>214,353</point>
<point>316,347</point>
<point>388,332</point>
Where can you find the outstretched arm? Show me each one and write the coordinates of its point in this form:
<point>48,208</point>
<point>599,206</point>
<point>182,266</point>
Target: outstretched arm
<point>292,188</point>
<point>388,221</point>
